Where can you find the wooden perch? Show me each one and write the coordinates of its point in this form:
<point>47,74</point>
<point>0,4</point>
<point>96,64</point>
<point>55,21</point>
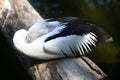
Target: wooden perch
<point>17,14</point>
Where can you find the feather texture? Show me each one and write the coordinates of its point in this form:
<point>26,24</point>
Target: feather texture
<point>73,45</point>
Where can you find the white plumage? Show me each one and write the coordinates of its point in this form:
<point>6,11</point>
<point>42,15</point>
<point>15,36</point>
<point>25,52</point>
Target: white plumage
<point>51,38</point>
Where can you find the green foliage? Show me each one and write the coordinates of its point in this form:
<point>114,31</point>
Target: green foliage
<point>105,53</point>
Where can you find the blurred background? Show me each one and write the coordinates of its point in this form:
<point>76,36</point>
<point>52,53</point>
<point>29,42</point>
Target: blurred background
<point>104,13</point>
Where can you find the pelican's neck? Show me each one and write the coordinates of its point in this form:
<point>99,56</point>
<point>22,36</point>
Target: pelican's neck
<point>19,40</point>
<point>34,49</point>
<point>20,43</point>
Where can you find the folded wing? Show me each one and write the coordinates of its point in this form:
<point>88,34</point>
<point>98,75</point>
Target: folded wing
<point>72,45</point>
<point>75,37</point>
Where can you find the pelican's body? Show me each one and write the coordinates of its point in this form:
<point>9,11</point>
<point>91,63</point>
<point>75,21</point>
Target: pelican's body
<point>62,37</point>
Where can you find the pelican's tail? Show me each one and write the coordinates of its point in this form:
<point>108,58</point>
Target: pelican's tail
<point>102,35</point>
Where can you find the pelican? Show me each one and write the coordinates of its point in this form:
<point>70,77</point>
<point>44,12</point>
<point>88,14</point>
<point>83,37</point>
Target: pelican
<point>59,37</point>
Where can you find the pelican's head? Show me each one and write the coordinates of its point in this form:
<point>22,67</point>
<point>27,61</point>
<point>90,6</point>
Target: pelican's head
<point>38,29</point>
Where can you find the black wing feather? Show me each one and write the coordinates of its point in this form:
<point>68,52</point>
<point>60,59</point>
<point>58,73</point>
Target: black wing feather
<point>79,26</point>
<point>74,26</point>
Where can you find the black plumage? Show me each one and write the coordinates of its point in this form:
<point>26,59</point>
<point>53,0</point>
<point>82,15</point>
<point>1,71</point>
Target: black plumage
<point>79,26</point>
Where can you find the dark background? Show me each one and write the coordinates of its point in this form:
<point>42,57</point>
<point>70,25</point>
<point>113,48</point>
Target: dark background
<point>105,13</point>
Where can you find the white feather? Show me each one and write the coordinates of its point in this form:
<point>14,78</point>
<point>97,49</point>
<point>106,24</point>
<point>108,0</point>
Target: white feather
<point>74,42</point>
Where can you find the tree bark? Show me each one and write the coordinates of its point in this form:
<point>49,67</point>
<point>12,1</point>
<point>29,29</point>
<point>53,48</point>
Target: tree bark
<point>18,14</point>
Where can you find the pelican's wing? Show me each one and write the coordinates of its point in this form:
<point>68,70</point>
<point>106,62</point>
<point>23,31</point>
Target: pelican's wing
<point>72,45</point>
<point>75,38</point>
